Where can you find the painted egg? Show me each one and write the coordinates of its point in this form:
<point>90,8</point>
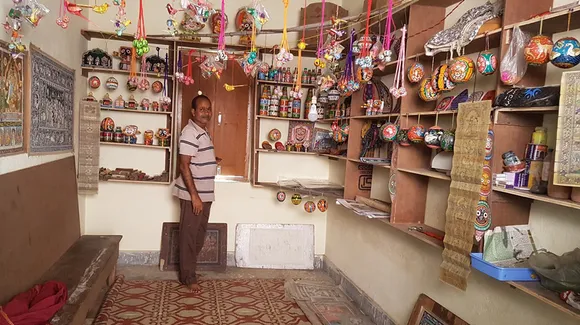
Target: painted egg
<point>489,145</point>
<point>566,53</point>
<point>486,63</point>
<point>94,82</point>
<point>416,133</point>
<point>364,74</point>
<point>309,206</point>
<point>112,83</point>
<point>482,216</point>
<point>402,137</point>
<point>538,50</point>
<point>461,69</point>
<point>433,137</point>
<point>296,199</point>
<point>389,132</point>
<point>107,124</point>
<point>416,72</point>
<point>448,141</point>
<point>485,181</point>
<point>281,196</point>
<point>440,79</point>
<point>322,205</point>
<point>426,91</point>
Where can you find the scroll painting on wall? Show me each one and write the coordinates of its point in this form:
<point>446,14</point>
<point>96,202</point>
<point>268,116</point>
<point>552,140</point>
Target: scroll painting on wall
<point>567,157</point>
<point>12,125</point>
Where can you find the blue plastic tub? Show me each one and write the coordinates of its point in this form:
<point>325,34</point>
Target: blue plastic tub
<point>502,273</point>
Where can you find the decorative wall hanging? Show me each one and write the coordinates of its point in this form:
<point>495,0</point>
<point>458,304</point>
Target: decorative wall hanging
<point>464,30</point>
<point>461,69</point>
<point>244,23</point>
<point>472,127</point>
<point>189,27</point>
<point>440,79</point>
<point>565,53</point>
<point>416,72</point>
<point>285,56</point>
<point>32,12</point>
<point>121,22</point>
<point>398,90</point>
<point>416,133</point>
<point>88,147</point>
<point>155,63</point>
<point>52,105</point>
<point>296,199</point>
<point>12,125</point>
<point>281,196</point>
<point>112,83</point>
<point>567,164</point>
<point>216,24</point>
<point>300,133</point>
<point>386,55</point>
<point>364,60</point>
<point>94,82</point>
<point>539,48</point>
<point>97,58</point>
<point>309,206</point>
<point>322,205</point>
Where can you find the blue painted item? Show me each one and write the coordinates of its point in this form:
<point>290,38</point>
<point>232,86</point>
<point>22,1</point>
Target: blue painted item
<point>566,53</point>
<point>502,273</point>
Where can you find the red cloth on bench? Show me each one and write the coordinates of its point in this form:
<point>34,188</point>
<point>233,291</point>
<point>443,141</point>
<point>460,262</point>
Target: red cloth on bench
<point>35,306</point>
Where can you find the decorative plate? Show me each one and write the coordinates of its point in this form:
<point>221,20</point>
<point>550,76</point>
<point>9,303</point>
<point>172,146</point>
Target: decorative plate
<point>157,87</point>
<point>444,104</point>
<point>94,82</point>
<point>274,135</point>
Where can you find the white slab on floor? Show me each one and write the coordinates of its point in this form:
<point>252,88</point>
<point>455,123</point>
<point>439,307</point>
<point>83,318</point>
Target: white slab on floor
<point>275,246</point>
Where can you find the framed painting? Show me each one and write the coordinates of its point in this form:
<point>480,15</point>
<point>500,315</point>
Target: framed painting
<point>213,256</point>
<point>52,104</point>
<point>13,126</point>
<point>428,312</point>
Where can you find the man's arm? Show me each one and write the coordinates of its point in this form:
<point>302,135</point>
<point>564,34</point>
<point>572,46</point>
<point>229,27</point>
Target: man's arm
<point>184,162</point>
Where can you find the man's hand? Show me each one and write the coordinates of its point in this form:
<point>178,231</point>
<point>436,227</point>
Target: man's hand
<point>218,159</point>
<point>196,204</point>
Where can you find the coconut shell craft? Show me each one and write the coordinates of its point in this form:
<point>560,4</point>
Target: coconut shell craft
<point>402,138</point>
<point>538,50</point>
<point>416,133</point>
<point>296,199</point>
<point>416,72</point>
<point>281,196</point>
<point>440,79</point>
<point>486,63</point>
<point>448,141</point>
<point>389,132</point>
<point>461,69</point>
<point>322,205</point>
<point>565,53</point>
<point>309,206</point>
<point>433,137</point>
<point>426,91</point>
<point>112,83</point>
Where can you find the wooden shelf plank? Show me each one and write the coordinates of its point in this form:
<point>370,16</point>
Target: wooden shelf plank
<point>134,181</point>
<point>551,298</point>
<point>538,197</point>
<point>390,68</point>
<point>87,70</point>
<point>282,118</point>
<point>336,193</point>
<point>334,157</point>
<point>552,23</point>
<point>126,110</point>
<point>287,84</point>
<point>382,165</point>
<point>133,145</point>
<point>540,110</point>
<point>288,152</point>
<point>425,172</point>
<point>404,227</point>
<point>330,120</point>
<point>374,117</point>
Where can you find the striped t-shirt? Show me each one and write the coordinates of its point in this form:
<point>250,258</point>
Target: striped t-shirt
<point>196,142</point>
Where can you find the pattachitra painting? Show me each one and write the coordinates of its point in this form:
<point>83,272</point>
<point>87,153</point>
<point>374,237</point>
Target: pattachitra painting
<point>11,102</point>
<point>52,104</point>
<point>567,158</point>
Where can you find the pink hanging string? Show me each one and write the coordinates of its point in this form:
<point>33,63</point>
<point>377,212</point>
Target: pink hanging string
<point>321,38</point>
<point>389,23</point>
<point>221,40</point>
<point>398,89</point>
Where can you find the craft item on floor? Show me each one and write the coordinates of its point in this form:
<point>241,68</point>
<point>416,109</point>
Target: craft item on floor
<point>94,82</point>
<point>106,101</point>
<point>513,66</point>
<point>440,79</point>
<point>274,135</point>
<point>398,90</point>
<point>428,311</point>
<point>52,105</point>
<point>119,102</point>
<point>461,69</point>
<point>97,58</point>
<point>567,146</point>
<point>529,97</point>
<point>148,138</point>
<point>539,49</point>
<point>12,99</point>
<point>416,72</point>
<point>565,53</point>
<point>296,199</point>
<point>111,83</point>
<point>309,206</point>
<point>571,298</point>
<point>322,205</point>
<point>464,30</point>
<point>472,126</point>
<point>426,91</point>
<point>281,196</point>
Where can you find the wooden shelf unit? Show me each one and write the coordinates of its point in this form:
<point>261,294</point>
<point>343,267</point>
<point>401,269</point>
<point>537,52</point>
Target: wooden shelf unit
<point>551,298</point>
<point>86,71</point>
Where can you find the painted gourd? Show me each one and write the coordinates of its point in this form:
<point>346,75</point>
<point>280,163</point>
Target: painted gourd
<point>448,141</point>
<point>281,196</point>
<point>112,83</point>
<point>461,69</point>
<point>389,132</point>
<point>402,138</point>
<point>426,91</point>
<point>309,206</point>
<point>486,63</point>
<point>440,79</point>
<point>566,53</point>
<point>538,50</point>
<point>416,133</point>
<point>296,199</point>
<point>322,205</point>
<point>416,72</point>
<point>433,137</point>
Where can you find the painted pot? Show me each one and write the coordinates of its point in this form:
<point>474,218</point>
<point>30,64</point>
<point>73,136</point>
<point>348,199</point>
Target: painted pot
<point>416,72</point>
<point>322,205</point>
<point>296,199</point>
<point>389,132</point>
<point>281,196</point>
<point>426,91</point>
<point>566,53</point>
<point>461,69</point>
<point>416,133</point>
<point>440,79</point>
<point>402,137</point>
<point>486,63</point>
<point>448,141</point>
<point>309,206</point>
<point>433,137</point>
<point>538,50</point>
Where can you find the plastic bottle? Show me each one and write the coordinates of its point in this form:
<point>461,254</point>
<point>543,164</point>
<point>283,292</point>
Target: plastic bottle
<point>265,101</point>
<point>284,103</point>
<point>274,104</point>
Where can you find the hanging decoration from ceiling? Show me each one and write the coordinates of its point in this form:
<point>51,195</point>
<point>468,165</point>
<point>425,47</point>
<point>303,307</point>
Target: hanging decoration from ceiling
<point>62,19</point>
<point>165,99</point>
<point>216,24</point>
<point>77,10</point>
<point>347,84</point>
<point>386,55</point>
<point>249,62</point>
<point>566,51</point>
<point>32,12</point>
<point>319,62</point>
<point>486,61</point>
<point>461,69</point>
<point>398,90</point>
<point>259,13</point>
<point>245,22</point>
<point>141,46</point>
<point>364,72</point>
<point>332,48</point>
<point>416,72</point>
<point>284,55</point>
<point>221,52</point>
<point>537,51</point>
<point>296,92</point>
<point>121,22</point>
<point>171,22</point>
<point>188,78</point>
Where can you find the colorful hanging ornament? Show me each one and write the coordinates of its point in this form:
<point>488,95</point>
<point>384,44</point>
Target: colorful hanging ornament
<point>322,205</point>
<point>482,216</point>
<point>426,91</point>
<point>486,61</point>
<point>244,22</point>
<point>281,196</point>
<point>171,23</point>
<point>296,92</point>
<point>386,55</point>
<point>112,83</point>
<point>416,72</point>
<point>188,77</point>
<point>259,14</point>
<point>216,24</point>
<point>388,132</point>
<point>440,79</point>
<point>221,51</point>
<point>539,48</point>
<point>402,137</point>
<point>398,90</point>
<point>448,141</point>
<point>296,199</point>
<point>309,206</point>
<point>32,12</point>
<point>284,55</point>
<point>489,145</point>
<point>565,53</point>
<point>121,22</point>
<point>461,69</point>
<point>416,133</point>
<point>364,61</point>
<point>77,10</point>
<point>63,20</point>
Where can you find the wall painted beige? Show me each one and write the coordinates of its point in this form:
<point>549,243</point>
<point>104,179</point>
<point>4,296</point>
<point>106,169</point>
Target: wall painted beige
<point>50,38</point>
<point>137,211</point>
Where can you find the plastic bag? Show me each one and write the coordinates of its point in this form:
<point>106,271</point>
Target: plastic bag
<point>558,273</point>
<point>514,66</point>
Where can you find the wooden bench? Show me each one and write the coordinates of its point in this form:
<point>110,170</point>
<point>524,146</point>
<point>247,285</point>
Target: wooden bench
<point>40,240</point>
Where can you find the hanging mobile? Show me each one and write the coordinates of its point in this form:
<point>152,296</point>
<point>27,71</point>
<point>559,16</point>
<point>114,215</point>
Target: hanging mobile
<point>221,52</point>
<point>284,56</point>
<point>364,72</point>
<point>319,62</point>
<point>386,55</point>
<point>166,100</point>
<point>398,89</point>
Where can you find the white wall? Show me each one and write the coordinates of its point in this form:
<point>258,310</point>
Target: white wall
<point>51,38</point>
<point>137,211</point>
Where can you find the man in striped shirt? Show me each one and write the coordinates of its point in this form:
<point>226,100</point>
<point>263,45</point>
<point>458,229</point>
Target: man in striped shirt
<point>194,188</point>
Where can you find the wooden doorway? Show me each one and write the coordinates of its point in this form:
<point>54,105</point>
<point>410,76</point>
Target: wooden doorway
<point>229,126</point>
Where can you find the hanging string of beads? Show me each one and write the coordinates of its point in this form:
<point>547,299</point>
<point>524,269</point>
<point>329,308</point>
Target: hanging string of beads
<point>221,53</point>
<point>284,55</point>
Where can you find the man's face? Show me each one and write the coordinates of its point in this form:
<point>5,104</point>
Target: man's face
<point>202,114</point>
